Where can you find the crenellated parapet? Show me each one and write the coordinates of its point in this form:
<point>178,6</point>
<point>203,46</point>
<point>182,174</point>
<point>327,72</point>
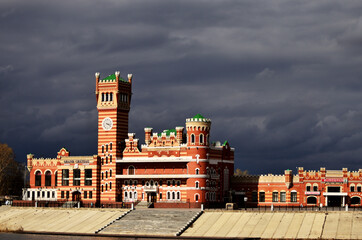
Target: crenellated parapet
<point>167,138</point>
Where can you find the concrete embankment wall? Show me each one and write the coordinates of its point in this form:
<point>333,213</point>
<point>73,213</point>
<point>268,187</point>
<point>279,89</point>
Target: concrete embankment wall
<point>292,225</point>
<point>56,220</point>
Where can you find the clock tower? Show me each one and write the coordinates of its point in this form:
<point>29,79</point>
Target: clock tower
<point>113,104</point>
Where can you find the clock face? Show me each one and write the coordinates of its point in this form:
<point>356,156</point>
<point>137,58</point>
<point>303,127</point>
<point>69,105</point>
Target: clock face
<point>107,124</point>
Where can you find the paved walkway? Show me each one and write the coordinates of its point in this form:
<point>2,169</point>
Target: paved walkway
<point>293,225</point>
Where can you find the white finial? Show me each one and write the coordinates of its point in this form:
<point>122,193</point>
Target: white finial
<point>117,73</point>
<point>97,74</point>
<point>129,76</point>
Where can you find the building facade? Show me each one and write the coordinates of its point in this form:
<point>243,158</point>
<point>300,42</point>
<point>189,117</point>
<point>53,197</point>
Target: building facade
<point>323,188</point>
<point>178,165</point>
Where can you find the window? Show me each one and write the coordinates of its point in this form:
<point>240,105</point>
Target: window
<point>42,194</point>
<point>315,188</point>
<point>293,196</point>
<point>201,138</point>
<point>125,194</point>
<point>178,196</point>
<point>358,188</point>
<point>85,194</point>
<point>196,197</point>
<point>110,147</point>
<point>173,196</point>
<point>160,196</point>
<point>275,196</point>
<point>308,189</point>
<point>282,197</point>
<point>197,171</point>
<point>48,194</point>
<point>62,194</point>
<point>168,195</point>
<point>197,184</point>
<point>192,138</point>
<point>254,196</point>
<point>102,188</point>
<point>76,177</point>
<point>110,173</point>
<point>261,196</point>
<point>106,187</point>
<point>110,185</point>
<point>67,194</point>
<point>38,179</point>
<point>106,147</point>
<point>65,177</point>
<point>106,174</point>
<point>103,97</point>
<point>90,194</point>
<point>110,158</point>
<point>48,178</point>
<point>102,149</point>
<point>102,175</point>
<point>106,160</point>
<point>111,97</point>
<point>28,194</point>
<point>53,194</point>
<point>131,170</point>
<point>352,188</point>
<point>56,178</point>
<point>178,183</point>
<point>88,177</point>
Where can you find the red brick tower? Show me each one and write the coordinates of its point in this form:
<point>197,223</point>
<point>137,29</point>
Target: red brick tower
<point>198,129</point>
<point>113,103</point>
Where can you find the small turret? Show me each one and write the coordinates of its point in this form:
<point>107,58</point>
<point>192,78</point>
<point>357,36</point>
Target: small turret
<point>288,178</point>
<point>30,161</point>
<point>148,133</point>
<point>198,129</point>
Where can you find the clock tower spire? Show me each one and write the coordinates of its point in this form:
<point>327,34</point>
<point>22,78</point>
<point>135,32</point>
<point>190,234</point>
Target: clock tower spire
<point>113,95</point>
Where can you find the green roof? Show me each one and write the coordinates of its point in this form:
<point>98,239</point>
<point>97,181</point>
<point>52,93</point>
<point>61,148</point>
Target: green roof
<point>224,144</point>
<point>112,78</point>
<point>197,116</point>
<point>168,132</point>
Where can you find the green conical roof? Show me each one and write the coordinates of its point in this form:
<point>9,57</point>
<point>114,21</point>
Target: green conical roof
<point>197,116</point>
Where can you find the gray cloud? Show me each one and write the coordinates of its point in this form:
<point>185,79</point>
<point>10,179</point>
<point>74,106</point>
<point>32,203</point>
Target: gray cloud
<point>281,80</point>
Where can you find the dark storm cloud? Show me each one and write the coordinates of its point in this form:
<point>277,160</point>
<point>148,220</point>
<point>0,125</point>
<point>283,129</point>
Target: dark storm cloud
<point>281,80</point>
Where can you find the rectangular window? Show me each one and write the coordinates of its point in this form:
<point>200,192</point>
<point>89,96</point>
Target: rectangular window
<point>48,194</point>
<point>38,194</point>
<point>293,196</point>
<point>254,196</point>
<point>85,194</point>
<point>76,177</point>
<point>42,194</point>
<point>90,194</point>
<point>88,177</point>
<point>62,194</point>
<point>261,196</point>
<point>67,194</point>
<point>308,189</point>
<point>282,197</point>
<point>65,177</point>
<point>275,196</point>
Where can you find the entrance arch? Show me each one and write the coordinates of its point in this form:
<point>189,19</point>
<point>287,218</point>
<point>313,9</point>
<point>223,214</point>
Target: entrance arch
<point>311,200</point>
<point>355,200</point>
<point>76,196</point>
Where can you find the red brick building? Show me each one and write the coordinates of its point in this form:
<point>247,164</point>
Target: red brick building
<point>174,166</point>
<point>306,188</point>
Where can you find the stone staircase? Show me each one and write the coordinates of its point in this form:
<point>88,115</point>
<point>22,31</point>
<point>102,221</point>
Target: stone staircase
<point>143,205</point>
<point>70,204</point>
<point>159,222</point>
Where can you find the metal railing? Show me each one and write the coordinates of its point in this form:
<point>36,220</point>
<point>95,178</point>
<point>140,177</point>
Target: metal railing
<point>69,204</point>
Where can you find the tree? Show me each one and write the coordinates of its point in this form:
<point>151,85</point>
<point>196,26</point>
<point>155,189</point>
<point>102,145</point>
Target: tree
<point>11,172</point>
<point>239,172</point>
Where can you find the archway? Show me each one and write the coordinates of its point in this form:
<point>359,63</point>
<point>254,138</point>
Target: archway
<point>355,200</point>
<point>76,196</point>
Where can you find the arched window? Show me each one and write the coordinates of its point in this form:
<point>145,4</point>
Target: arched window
<point>307,188</point>
<point>355,200</point>
<point>103,97</point>
<point>102,149</point>
<point>48,178</point>
<point>197,171</point>
<point>173,196</point>
<point>130,194</point>
<point>111,97</point>
<point>106,187</point>
<point>315,187</point>
<point>168,195</point>
<point>110,146</point>
<point>173,183</point>
<point>106,174</point>
<point>352,188</point>
<point>311,200</point>
<point>131,170</point>
<point>197,197</point>
<point>178,196</point>
<point>106,96</point>
<point>102,188</point>
<point>125,194</point>
<point>110,173</point>
<point>197,184</point>
<point>201,138</point>
<point>110,185</point>
<point>106,147</point>
<point>110,158</point>
<point>192,138</point>
<point>135,195</point>
<point>38,179</point>
<point>178,183</point>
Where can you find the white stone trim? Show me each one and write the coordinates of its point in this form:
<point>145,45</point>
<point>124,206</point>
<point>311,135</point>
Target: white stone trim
<point>162,176</point>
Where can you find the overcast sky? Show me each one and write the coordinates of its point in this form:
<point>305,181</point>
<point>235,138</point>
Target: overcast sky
<point>281,80</point>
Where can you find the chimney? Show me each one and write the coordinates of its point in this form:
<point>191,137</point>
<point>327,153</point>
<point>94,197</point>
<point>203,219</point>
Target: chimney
<point>148,133</point>
<point>117,75</point>
<point>179,131</point>
<point>130,78</point>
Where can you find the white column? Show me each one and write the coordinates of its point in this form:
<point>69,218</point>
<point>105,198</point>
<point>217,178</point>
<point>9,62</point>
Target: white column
<point>326,201</point>
<point>343,201</point>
